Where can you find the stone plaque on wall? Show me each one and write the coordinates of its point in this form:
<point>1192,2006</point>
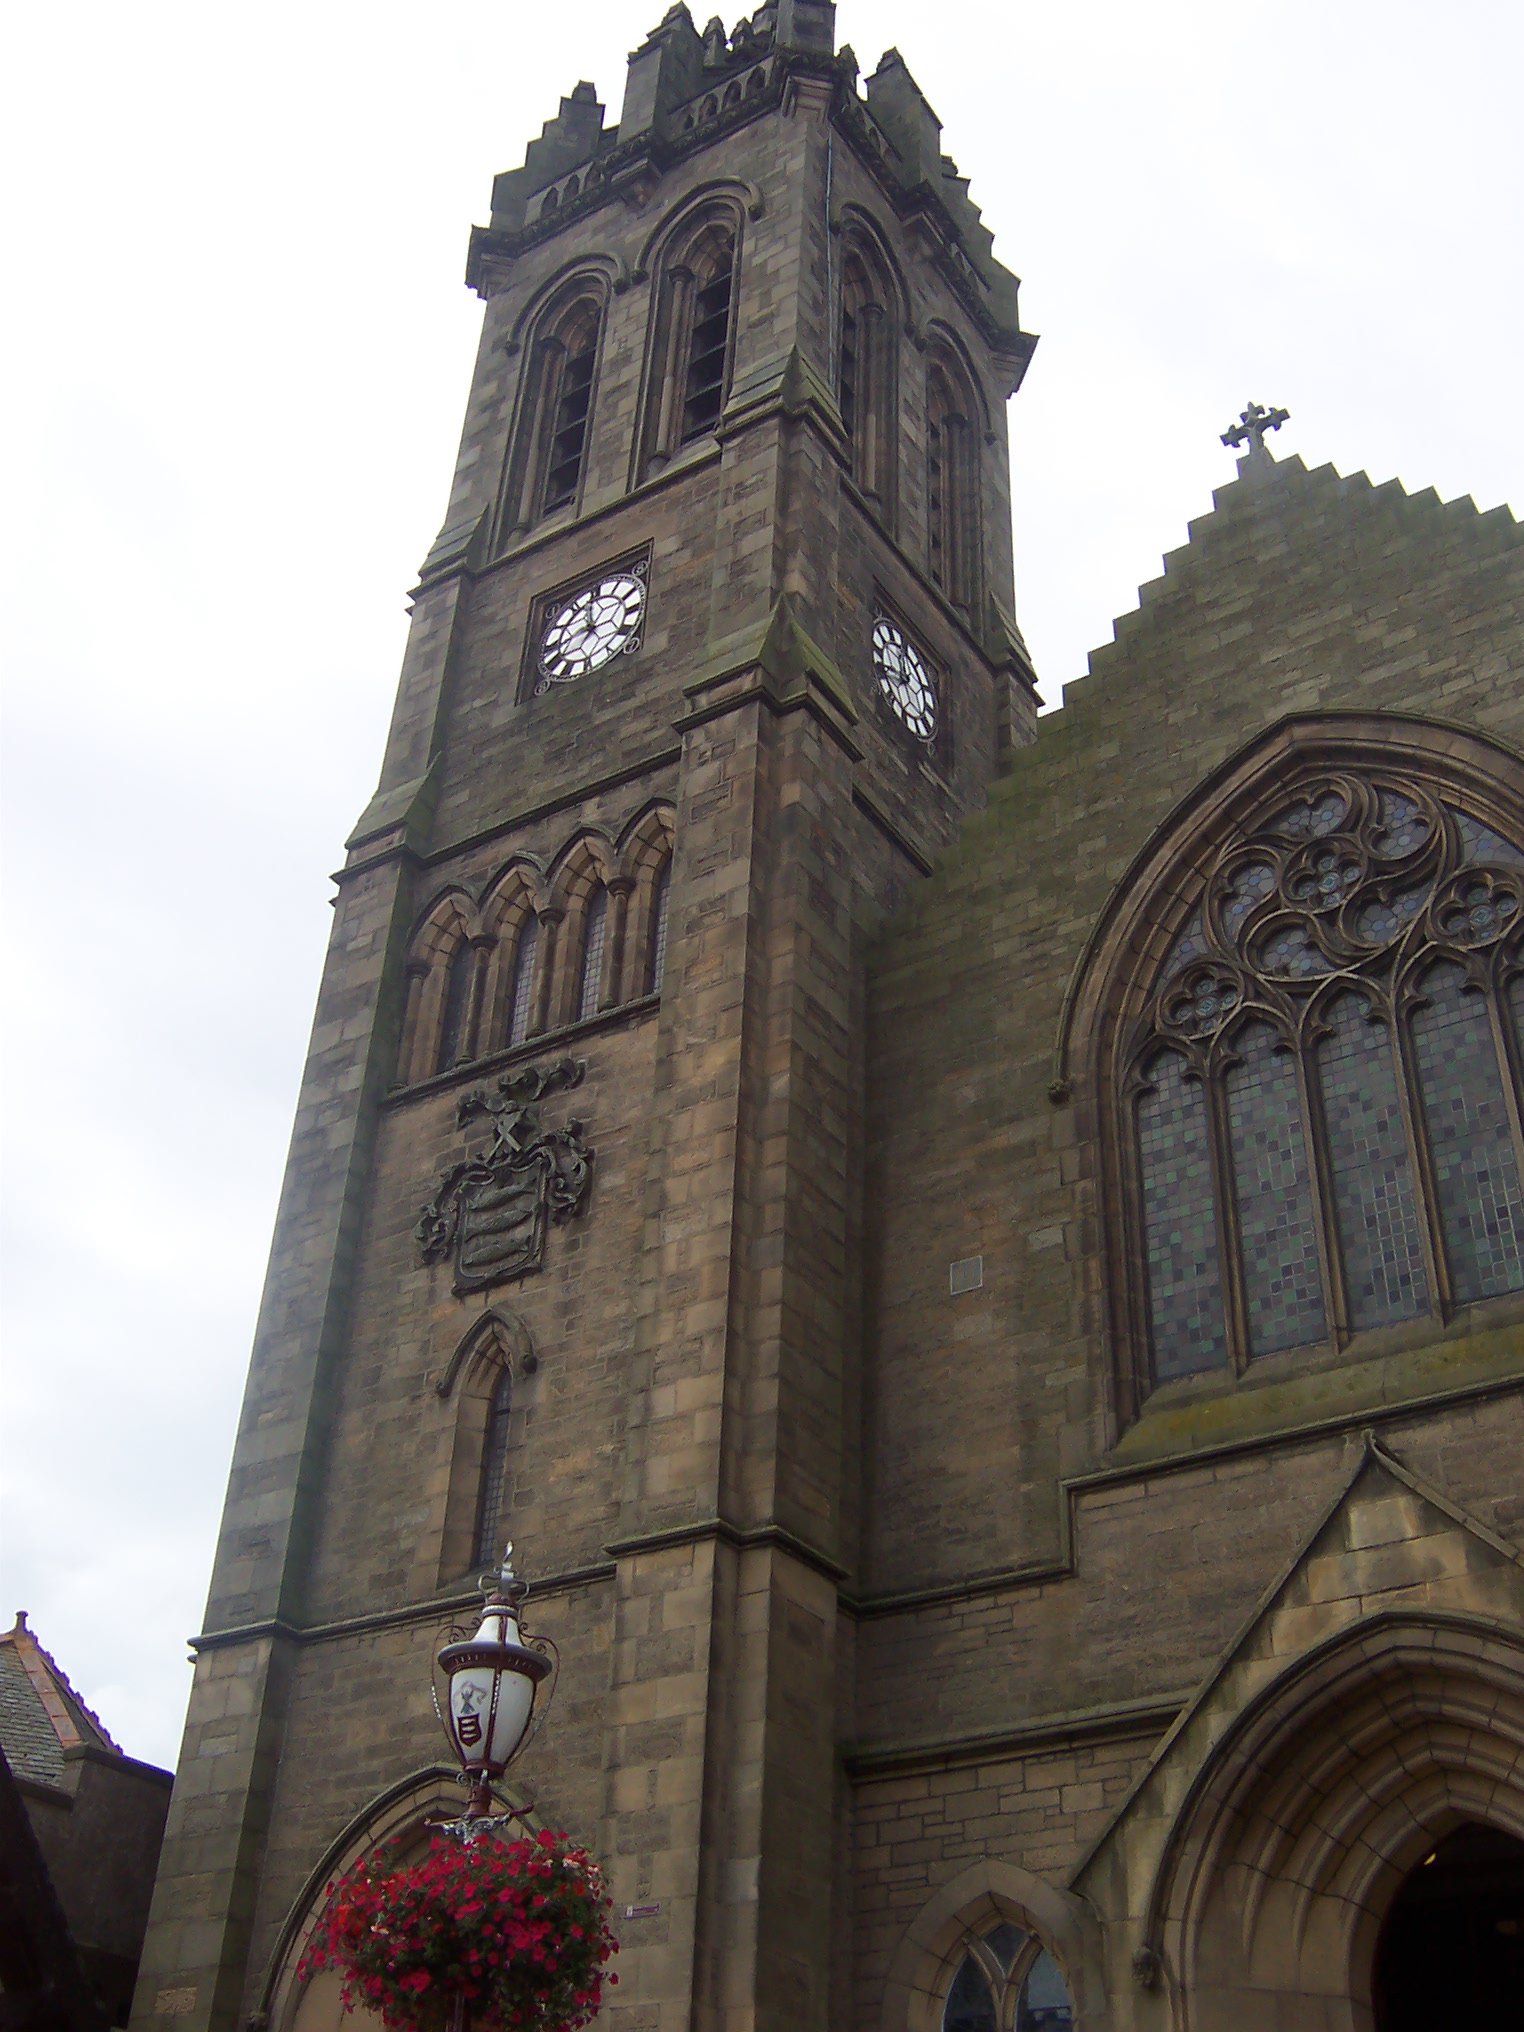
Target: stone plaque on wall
<point>493,1213</point>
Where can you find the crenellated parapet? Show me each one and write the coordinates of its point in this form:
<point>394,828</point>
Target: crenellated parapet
<point>685,89</point>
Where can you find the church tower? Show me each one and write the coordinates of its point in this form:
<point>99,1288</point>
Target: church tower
<point>713,654</point>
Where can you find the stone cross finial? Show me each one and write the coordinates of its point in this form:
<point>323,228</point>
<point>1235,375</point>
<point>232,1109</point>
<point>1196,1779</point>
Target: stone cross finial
<point>1251,427</point>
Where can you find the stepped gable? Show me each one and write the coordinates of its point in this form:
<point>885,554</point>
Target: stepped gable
<point>1275,506</point>
<point>41,1715</point>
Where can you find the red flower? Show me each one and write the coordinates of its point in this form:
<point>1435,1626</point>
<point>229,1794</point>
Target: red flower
<point>408,1938</point>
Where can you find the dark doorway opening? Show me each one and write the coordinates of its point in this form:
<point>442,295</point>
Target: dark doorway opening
<point>1451,1952</point>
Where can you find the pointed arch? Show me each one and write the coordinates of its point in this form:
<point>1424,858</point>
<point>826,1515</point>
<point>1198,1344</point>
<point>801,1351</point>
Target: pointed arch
<point>586,880</point>
<point>546,455</point>
<point>867,363</point>
<point>1343,1772</point>
<point>991,1893</point>
<point>690,344</point>
<point>492,1360</point>
<point>955,428</point>
<point>646,862</point>
<point>511,912</point>
<point>403,1812</point>
<point>446,970</point>
<point>1291,1033</point>
<point>497,1338</point>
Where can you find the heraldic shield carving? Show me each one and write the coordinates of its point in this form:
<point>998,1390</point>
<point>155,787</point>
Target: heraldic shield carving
<point>493,1212</point>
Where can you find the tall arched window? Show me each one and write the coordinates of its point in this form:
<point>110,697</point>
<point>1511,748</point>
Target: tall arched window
<point>456,1006</point>
<point>488,1543</point>
<point>1007,1982</point>
<point>709,341</point>
<point>1327,1127</point>
<point>865,376</point>
<point>594,931</point>
<point>656,966</point>
<point>521,989</point>
<point>568,415</point>
<point>691,354</point>
<point>548,452</point>
<point>952,486</point>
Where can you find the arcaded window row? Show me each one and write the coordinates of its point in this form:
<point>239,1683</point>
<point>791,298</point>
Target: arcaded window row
<point>539,950</point>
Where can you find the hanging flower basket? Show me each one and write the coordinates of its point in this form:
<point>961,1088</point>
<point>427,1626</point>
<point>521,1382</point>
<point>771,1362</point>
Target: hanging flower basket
<point>518,1929</point>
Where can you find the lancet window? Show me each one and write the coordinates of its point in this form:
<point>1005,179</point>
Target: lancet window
<point>690,366</point>
<point>952,486</point>
<point>487,1547</point>
<point>522,981</point>
<point>594,941</point>
<point>455,1012</point>
<point>1007,1982</point>
<point>1325,1087</point>
<point>865,377</point>
<point>549,448</point>
<point>656,962</point>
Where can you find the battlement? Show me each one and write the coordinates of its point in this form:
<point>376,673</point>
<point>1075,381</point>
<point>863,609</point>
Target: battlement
<point>686,89</point>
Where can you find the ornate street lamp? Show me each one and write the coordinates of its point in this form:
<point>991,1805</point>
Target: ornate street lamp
<point>491,1681</point>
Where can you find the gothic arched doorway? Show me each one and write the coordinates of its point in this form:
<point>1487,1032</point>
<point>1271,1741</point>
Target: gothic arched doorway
<point>1451,1950</point>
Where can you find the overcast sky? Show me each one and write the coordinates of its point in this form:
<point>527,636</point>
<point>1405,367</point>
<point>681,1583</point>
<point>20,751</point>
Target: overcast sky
<point>239,348</point>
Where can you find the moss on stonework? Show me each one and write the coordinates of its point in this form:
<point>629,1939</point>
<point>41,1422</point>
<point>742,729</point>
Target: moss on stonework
<point>1265,1410</point>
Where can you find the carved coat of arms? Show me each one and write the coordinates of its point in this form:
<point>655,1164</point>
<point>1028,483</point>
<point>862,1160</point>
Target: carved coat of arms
<point>492,1213</point>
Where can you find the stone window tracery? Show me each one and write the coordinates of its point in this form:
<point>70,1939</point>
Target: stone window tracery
<point>1324,1085</point>
<point>1007,1982</point>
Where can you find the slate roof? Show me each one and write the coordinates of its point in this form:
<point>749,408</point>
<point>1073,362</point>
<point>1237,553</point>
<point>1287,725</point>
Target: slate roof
<point>41,1715</point>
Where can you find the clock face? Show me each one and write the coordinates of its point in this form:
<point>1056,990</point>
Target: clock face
<point>904,679</point>
<point>592,628</point>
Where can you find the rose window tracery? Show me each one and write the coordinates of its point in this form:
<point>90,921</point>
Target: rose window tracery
<point>1326,1082</point>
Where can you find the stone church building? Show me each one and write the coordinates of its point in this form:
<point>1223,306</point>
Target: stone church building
<point>979,1258</point>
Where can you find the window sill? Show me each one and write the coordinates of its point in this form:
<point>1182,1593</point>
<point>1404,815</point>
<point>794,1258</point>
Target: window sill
<point>520,1054</point>
<point>1378,1371</point>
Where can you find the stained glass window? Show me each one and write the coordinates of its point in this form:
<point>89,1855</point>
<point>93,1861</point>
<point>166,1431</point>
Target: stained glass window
<point>1321,1081</point>
<point>1371,1169</point>
<point>1277,1227</point>
<point>489,1507</point>
<point>1476,1172</point>
<point>1189,944</point>
<point>1403,826</point>
<point>521,1007</point>
<point>1184,1284</point>
<point>1481,843</point>
<point>1312,819</point>
<point>593,927</point>
<point>1251,885</point>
